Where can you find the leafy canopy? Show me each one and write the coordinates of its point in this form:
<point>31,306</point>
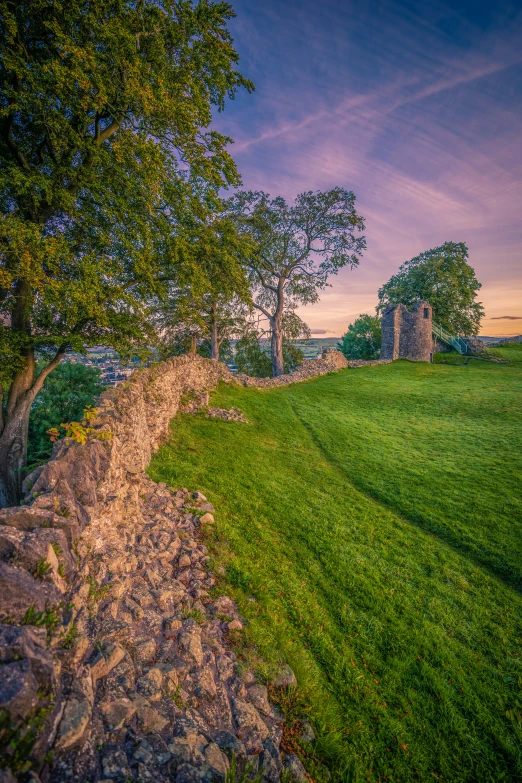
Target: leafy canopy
<point>362,339</point>
<point>107,163</point>
<point>252,353</point>
<point>443,277</point>
<point>298,246</point>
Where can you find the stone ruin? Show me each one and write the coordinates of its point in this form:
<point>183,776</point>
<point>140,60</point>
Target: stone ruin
<point>407,334</point>
<point>115,654</point>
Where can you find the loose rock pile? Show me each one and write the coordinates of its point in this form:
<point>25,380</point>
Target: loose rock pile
<point>159,691</point>
<point>228,414</point>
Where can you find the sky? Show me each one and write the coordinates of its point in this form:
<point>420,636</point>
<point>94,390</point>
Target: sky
<point>416,107</point>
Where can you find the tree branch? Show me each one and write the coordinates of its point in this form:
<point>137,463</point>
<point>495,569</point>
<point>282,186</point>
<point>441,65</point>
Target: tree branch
<point>55,361</point>
<point>265,312</point>
<point>109,131</point>
<point>13,146</point>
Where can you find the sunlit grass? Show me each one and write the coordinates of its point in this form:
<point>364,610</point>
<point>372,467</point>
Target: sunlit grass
<point>375,517</point>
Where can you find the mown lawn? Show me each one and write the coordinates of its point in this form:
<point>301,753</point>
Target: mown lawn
<point>375,516</point>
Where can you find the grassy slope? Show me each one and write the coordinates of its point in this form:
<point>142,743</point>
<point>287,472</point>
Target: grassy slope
<point>374,515</point>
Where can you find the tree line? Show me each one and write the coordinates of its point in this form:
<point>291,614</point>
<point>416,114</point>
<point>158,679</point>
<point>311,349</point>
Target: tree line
<point>114,227</point>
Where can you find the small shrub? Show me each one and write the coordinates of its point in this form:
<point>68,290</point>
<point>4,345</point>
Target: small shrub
<point>42,568</point>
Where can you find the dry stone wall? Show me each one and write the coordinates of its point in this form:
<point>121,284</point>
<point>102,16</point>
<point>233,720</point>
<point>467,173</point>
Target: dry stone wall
<point>113,654</point>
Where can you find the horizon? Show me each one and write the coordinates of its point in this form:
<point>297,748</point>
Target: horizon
<point>415,110</point>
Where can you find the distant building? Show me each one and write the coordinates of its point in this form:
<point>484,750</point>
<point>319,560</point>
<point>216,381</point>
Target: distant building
<point>407,335</point>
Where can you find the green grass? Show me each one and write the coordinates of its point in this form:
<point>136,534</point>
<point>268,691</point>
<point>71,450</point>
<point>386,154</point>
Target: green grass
<point>375,517</point>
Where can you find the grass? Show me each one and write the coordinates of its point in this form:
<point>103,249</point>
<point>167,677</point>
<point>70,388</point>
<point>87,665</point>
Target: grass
<point>375,518</point>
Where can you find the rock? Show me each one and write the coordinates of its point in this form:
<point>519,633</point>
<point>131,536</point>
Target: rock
<point>206,519</point>
<point>6,776</point>
<point>106,660</point>
<point>235,625</point>
<point>170,677</point>
<point>32,518</point>
<point>118,713</point>
<point>21,594</point>
<point>295,769</point>
<point>203,683</point>
<point>216,760</point>
<point>307,733</point>
<point>25,642</point>
<point>285,678</point>
<point>248,721</point>
<point>18,689</point>
<point>75,721</point>
<point>258,695</point>
<point>27,548</point>
<point>230,744</point>
<point>190,643</point>
<point>150,684</point>
<point>115,766</point>
<point>146,651</point>
<point>149,719</point>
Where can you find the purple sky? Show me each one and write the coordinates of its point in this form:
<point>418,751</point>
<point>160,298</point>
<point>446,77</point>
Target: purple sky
<point>416,107</point>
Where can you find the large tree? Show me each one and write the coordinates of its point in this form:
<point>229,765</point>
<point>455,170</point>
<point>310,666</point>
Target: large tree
<point>296,248</point>
<point>104,161</point>
<point>443,277</point>
<point>209,296</point>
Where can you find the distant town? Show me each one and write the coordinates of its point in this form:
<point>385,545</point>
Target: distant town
<point>114,371</point>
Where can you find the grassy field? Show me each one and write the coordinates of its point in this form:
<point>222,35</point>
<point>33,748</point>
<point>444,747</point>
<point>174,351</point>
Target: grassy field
<point>370,522</point>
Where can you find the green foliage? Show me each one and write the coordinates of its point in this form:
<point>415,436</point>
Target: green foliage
<point>251,358</point>
<point>371,518</point>
<point>97,592</point>
<point>66,393</point>
<point>69,638</point>
<point>442,277</point>
<point>48,618</point>
<point>105,124</point>
<point>362,339</point>
<point>252,352</point>
<point>17,739</point>
<point>42,568</point>
<point>295,249</point>
<point>248,775</point>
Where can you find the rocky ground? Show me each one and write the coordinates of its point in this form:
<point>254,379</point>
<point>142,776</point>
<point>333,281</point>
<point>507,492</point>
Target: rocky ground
<point>151,690</point>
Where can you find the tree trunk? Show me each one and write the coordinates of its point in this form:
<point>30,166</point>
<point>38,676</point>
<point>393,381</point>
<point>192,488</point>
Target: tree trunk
<point>276,323</point>
<point>14,428</point>
<point>193,344</point>
<point>13,436</point>
<point>278,367</point>
<point>13,452</point>
<point>214,340</point>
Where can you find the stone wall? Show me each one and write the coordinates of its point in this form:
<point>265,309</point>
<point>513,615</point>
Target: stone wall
<point>110,644</point>
<point>407,334</point>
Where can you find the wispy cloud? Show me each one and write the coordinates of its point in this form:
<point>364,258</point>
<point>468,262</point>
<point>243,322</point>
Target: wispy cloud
<point>507,318</point>
<point>416,107</point>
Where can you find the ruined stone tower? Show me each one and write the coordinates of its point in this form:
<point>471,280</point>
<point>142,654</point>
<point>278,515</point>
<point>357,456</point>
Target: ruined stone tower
<point>407,335</point>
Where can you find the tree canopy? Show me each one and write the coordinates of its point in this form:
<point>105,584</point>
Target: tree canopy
<point>107,170</point>
<point>443,277</point>
<point>362,339</point>
<point>296,248</point>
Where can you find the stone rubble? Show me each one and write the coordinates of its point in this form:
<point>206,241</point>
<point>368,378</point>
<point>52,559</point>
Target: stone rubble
<point>162,698</point>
